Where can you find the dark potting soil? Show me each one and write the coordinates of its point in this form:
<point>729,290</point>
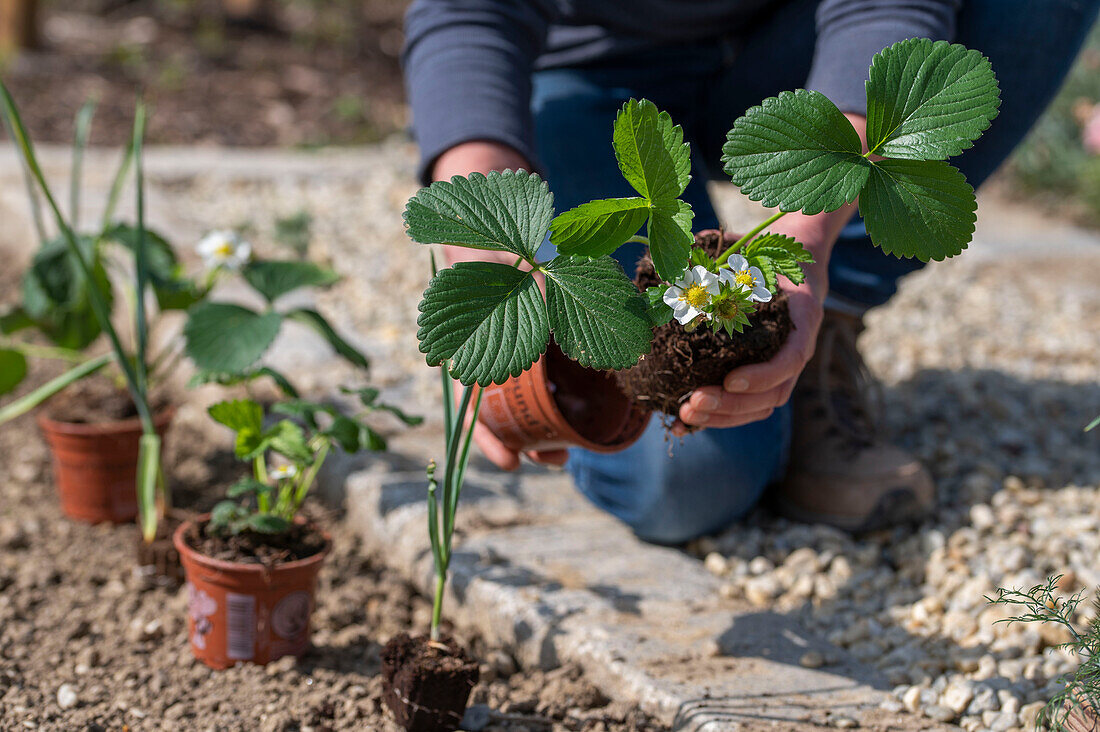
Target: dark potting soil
<point>681,362</point>
<point>94,401</point>
<point>427,685</point>
<point>251,547</point>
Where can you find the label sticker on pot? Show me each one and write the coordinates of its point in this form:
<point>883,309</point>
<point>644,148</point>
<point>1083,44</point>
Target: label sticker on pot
<point>291,615</point>
<point>240,626</point>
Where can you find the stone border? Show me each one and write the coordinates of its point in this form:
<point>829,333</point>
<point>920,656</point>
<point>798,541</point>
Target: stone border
<point>540,571</point>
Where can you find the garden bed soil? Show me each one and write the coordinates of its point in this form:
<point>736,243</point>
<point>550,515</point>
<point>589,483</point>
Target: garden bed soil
<point>681,362</point>
<point>301,541</point>
<point>87,643</point>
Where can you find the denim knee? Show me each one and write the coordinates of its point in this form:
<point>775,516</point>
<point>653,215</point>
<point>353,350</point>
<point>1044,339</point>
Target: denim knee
<point>671,491</point>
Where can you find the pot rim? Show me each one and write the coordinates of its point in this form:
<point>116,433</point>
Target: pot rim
<point>223,565</point>
<point>94,429</point>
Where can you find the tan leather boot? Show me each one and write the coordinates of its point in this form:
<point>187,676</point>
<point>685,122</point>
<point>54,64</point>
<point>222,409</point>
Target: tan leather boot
<point>840,472</point>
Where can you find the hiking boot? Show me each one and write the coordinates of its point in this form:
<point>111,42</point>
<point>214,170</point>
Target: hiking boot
<point>841,473</point>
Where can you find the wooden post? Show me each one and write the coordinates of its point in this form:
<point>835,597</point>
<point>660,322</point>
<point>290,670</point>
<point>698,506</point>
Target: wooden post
<point>18,24</point>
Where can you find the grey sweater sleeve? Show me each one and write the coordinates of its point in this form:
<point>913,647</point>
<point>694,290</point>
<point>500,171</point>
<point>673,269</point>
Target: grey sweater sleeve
<point>468,66</point>
<point>851,32</point>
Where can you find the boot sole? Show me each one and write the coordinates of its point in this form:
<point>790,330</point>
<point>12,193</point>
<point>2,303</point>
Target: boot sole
<point>895,508</point>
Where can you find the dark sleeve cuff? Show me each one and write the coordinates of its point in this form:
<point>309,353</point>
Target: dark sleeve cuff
<point>851,32</point>
<point>468,73</point>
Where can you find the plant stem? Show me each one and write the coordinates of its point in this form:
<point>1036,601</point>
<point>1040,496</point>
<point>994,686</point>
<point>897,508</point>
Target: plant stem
<point>141,267</point>
<point>51,387</point>
<point>749,236</point>
<point>639,239</point>
<point>437,604</point>
<point>259,468</point>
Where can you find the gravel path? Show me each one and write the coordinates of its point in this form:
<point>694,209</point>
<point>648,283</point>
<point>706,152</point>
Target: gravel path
<point>989,364</point>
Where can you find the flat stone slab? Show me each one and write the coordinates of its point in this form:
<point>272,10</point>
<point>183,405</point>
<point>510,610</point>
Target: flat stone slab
<point>540,570</point>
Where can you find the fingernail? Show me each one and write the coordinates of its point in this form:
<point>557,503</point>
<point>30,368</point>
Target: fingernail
<point>737,385</point>
<point>706,402</point>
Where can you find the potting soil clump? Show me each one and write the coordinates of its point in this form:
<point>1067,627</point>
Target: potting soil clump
<point>683,361</point>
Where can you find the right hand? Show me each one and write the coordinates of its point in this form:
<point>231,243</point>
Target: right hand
<point>483,156</point>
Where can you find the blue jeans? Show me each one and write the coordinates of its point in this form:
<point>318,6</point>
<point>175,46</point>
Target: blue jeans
<point>716,476</point>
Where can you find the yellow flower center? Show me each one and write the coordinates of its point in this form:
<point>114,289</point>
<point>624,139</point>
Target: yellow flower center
<point>224,250</point>
<point>696,296</point>
<point>744,278</point>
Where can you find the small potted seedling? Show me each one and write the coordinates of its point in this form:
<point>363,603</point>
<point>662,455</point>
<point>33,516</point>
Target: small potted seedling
<point>1074,707</point>
<point>76,283</point>
<point>252,564</point>
<point>687,323</point>
<point>427,679</point>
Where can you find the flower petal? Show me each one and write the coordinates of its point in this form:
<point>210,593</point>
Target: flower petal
<point>672,296</point>
<point>761,294</point>
<point>737,263</point>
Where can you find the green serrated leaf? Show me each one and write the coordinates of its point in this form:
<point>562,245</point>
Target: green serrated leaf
<point>598,317</point>
<point>238,414</point>
<point>367,394</point>
<point>699,257</point>
<point>346,432</point>
<point>273,279</point>
<point>372,440</point>
<point>509,211</point>
<point>487,318</point>
<point>13,369</point>
<point>266,523</point>
<point>173,290</point>
<point>287,439</point>
<point>651,151</point>
<point>408,419</point>
<point>929,101</point>
<point>918,208</point>
<point>317,322</point>
<point>670,238</point>
<point>658,311</point>
<point>228,338</point>
<point>225,514</point>
<point>57,297</point>
<point>797,152</point>
<point>246,486</point>
<point>599,227</point>
<point>776,254</point>
<point>15,319</point>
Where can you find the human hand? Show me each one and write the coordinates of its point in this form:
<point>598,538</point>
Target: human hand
<point>506,458</point>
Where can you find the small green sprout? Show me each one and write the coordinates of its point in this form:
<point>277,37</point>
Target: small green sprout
<point>267,501</point>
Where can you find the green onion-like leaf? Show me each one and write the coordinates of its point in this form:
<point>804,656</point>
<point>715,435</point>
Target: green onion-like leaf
<point>918,208</point>
<point>599,227</point>
<point>29,401</point>
<point>228,338</point>
<point>273,279</point>
<point>929,101</point>
<point>797,152</point>
<point>597,314</point>
<point>507,211</point>
<point>149,480</point>
<point>487,318</point>
<point>651,151</point>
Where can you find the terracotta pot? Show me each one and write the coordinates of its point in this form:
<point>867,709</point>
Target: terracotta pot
<point>558,403</point>
<point>247,612</point>
<point>95,466</point>
<point>427,685</point>
<point>1080,718</point>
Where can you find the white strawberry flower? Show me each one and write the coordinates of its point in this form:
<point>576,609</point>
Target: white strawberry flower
<point>691,293</point>
<point>738,273</point>
<point>224,249</point>
<point>282,472</point>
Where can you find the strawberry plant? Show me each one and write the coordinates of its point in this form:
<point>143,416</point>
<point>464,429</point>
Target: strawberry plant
<point>926,101</point>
